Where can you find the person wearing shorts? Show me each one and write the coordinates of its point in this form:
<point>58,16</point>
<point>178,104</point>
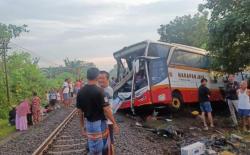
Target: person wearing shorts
<point>244,105</point>
<point>53,98</point>
<point>65,96</point>
<point>205,105</point>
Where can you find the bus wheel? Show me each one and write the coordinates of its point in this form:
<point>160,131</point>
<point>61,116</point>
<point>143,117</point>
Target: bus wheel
<point>176,101</point>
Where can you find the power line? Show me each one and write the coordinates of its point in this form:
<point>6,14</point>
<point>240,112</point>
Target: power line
<point>35,53</point>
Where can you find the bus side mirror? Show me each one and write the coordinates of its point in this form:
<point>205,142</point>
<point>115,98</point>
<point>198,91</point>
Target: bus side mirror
<point>137,66</point>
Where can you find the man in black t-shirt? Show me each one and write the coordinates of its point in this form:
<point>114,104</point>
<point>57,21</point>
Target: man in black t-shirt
<point>94,107</point>
<point>205,105</point>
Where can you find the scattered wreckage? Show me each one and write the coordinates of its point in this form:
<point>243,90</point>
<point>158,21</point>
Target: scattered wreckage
<point>195,141</point>
<point>157,73</point>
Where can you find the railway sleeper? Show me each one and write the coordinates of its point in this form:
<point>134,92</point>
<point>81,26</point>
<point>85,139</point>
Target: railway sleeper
<point>67,152</point>
<point>67,148</point>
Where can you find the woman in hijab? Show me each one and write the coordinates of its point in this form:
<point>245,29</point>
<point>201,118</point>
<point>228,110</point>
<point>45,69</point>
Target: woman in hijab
<point>21,115</point>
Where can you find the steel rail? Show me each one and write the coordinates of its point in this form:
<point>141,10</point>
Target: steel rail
<point>44,146</point>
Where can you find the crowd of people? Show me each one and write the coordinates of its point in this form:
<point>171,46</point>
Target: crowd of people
<point>94,102</point>
<point>237,98</point>
<point>26,113</point>
<point>30,111</point>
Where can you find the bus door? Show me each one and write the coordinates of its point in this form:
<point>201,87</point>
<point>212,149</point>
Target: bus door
<point>159,82</point>
<point>140,94</point>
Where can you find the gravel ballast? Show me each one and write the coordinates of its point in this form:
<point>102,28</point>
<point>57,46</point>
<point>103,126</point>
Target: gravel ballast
<point>28,141</point>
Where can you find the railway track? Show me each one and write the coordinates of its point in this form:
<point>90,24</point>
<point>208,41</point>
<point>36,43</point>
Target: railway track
<point>65,139</point>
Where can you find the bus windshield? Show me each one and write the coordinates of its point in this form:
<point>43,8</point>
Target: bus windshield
<point>158,50</point>
<point>157,70</point>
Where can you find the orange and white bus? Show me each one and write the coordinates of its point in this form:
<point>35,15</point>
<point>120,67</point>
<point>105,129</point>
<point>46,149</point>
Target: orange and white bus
<point>158,73</point>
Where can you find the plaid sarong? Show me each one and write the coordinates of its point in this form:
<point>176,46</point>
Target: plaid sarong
<point>98,137</point>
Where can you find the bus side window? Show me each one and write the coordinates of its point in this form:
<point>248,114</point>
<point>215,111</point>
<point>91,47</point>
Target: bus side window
<point>185,58</point>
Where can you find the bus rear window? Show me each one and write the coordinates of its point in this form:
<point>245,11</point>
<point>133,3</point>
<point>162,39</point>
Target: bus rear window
<point>189,59</point>
<point>158,50</point>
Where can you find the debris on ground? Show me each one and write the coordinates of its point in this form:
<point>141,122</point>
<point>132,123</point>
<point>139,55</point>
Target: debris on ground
<point>189,131</point>
<point>168,120</point>
<point>170,132</point>
<point>177,131</point>
<point>226,153</point>
<point>195,128</point>
<point>195,113</point>
<point>138,124</point>
<point>197,148</point>
<point>236,137</point>
<point>210,152</point>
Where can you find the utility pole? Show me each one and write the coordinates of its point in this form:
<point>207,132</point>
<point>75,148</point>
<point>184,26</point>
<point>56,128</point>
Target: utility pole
<point>4,51</point>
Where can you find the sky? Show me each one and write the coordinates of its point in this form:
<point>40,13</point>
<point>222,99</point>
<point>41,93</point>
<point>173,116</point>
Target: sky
<point>89,30</point>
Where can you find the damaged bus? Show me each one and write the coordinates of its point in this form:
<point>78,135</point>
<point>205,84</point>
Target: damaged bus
<point>158,73</point>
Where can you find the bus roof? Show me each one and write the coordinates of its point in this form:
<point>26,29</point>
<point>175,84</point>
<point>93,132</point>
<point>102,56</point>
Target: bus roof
<point>183,47</point>
<point>129,49</point>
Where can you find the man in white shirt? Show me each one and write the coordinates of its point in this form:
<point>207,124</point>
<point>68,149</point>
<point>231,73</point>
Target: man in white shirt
<point>103,81</point>
<point>65,92</point>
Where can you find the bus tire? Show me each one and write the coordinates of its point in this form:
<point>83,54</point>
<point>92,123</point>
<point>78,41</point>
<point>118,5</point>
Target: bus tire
<point>177,101</point>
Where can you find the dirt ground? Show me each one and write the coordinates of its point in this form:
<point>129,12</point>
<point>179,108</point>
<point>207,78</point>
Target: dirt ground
<point>180,129</point>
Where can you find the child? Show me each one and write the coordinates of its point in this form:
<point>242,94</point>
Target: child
<point>52,97</point>
<point>58,96</point>
<point>205,105</point>
<point>244,104</point>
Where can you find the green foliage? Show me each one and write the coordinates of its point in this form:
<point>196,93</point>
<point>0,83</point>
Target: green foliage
<point>24,78</point>
<point>6,33</point>
<point>11,31</point>
<point>74,69</point>
<point>5,129</point>
<point>57,80</point>
<point>188,30</point>
<point>229,34</point>
<point>77,67</point>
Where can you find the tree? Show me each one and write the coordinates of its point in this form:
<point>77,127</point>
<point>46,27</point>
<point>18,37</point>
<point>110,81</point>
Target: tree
<point>188,30</point>
<point>6,33</point>
<point>24,77</point>
<point>74,69</point>
<point>229,34</point>
<point>78,67</point>
<point>11,31</point>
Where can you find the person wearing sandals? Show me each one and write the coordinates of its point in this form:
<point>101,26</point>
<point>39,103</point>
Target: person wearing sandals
<point>244,105</point>
<point>205,105</point>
